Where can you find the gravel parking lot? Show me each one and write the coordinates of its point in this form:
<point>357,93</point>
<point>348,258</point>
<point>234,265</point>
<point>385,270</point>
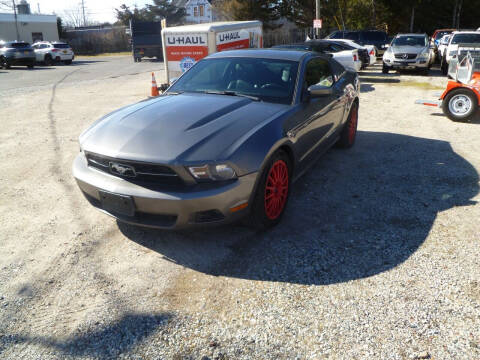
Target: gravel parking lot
<point>377,256</point>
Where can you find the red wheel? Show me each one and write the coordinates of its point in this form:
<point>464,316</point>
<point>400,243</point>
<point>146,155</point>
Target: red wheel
<point>349,132</point>
<point>271,195</point>
<point>276,190</point>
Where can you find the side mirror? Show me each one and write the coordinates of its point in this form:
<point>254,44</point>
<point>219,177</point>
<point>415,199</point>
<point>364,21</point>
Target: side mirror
<point>319,91</point>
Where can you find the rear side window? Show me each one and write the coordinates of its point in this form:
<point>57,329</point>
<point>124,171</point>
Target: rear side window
<point>19,45</point>
<point>318,72</point>
<point>374,36</point>
<point>61,46</point>
<point>352,36</point>
<point>336,35</point>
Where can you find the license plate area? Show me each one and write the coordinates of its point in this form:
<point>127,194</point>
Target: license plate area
<point>117,204</point>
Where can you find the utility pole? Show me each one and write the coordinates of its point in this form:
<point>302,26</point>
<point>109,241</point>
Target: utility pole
<point>83,12</point>
<point>454,14</point>
<point>16,20</point>
<point>458,13</point>
<point>317,16</point>
<point>412,20</point>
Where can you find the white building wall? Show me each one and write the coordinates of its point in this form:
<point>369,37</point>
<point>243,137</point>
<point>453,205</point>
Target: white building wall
<point>194,16</point>
<point>28,26</point>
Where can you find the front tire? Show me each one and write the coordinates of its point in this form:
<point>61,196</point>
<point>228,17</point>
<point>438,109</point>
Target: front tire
<point>460,105</point>
<point>444,66</point>
<point>349,131</point>
<point>385,69</point>
<point>273,190</point>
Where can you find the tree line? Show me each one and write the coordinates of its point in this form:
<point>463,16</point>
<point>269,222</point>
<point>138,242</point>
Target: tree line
<point>390,15</point>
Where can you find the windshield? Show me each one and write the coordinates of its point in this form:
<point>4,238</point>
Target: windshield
<point>410,41</point>
<point>61,46</point>
<point>18,45</point>
<point>466,38</point>
<point>269,80</point>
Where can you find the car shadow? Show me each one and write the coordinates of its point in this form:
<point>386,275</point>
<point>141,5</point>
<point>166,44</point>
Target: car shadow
<point>379,78</point>
<point>355,214</point>
<point>364,88</point>
<point>97,342</point>
<point>475,120</point>
<point>36,68</point>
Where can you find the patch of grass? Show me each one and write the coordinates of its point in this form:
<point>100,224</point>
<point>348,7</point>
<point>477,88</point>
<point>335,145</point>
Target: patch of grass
<point>420,85</point>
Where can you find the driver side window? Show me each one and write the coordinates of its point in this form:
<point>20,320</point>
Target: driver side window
<point>318,72</point>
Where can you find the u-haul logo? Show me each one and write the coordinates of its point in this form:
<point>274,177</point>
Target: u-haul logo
<point>187,40</point>
<point>229,36</point>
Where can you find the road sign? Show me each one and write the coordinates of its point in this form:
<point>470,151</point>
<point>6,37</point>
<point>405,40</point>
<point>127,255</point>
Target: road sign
<point>317,23</point>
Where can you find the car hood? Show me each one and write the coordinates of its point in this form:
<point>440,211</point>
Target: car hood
<point>183,128</point>
<point>408,49</point>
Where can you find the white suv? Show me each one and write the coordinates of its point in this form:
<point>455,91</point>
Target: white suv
<point>50,52</point>
<point>457,38</point>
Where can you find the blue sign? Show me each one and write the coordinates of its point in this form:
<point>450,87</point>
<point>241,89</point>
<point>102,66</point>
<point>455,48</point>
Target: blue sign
<point>186,63</point>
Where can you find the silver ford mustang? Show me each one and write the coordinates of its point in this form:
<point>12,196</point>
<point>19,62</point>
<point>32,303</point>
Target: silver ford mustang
<point>226,140</point>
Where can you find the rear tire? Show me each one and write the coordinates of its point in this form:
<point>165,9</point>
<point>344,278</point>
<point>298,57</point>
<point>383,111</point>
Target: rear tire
<point>349,131</point>
<point>31,66</point>
<point>460,105</point>
<point>444,66</point>
<point>47,60</point>
<point>3,63</point>
<point>273,190</point>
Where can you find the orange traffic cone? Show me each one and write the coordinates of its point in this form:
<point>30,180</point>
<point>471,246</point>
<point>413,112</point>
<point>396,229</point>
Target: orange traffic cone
<point>154,86</point>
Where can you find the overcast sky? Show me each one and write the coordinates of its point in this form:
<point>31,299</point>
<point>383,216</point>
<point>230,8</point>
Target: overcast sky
<point>98,10</point>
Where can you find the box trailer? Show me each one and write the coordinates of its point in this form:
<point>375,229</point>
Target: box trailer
<point>183,46</point>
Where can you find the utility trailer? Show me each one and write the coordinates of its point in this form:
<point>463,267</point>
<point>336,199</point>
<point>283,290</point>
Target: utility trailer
<point>146,39</point>
<point>183,46</point>
<point>460,100</point>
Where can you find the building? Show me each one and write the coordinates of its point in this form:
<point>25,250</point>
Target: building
<point>199,11</point>
<point>30,27</point>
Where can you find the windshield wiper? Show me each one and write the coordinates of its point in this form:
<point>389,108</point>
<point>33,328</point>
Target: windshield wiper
<point>173,93</point>
<point>232,93</point>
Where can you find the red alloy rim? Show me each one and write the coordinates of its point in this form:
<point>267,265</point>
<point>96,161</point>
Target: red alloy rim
<point>353,125</point>
<point>276,189</point>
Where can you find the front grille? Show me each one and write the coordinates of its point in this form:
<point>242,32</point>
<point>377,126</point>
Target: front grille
<point>160,220</point>
<point>408,56</point>
<point>143,172</point>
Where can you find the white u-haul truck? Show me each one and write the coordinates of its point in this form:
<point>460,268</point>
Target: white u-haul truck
<point>183,46</point>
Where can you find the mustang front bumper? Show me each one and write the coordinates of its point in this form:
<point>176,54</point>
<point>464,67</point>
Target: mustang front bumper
<point>190,206</point>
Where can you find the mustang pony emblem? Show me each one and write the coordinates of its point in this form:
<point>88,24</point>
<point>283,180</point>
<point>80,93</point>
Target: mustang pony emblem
<point>123,170</point>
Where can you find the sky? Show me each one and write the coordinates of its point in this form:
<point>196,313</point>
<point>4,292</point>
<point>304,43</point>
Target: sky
<point>97,10</point>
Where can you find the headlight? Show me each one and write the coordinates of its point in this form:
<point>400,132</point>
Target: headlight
<point>215,172</point>
<point>423,55</point>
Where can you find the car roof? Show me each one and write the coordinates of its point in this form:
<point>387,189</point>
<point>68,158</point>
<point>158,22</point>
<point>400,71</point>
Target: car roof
<point>465,32</point>
<point>272,53</point>
<point>412,34</point>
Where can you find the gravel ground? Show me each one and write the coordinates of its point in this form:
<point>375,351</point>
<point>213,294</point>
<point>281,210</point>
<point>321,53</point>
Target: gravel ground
<point>377,256</point>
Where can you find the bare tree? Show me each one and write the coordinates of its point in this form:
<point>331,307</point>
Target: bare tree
<point>6,5</point>
<point>75,17</point>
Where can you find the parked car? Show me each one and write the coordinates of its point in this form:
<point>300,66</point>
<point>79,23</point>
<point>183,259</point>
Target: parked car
<point>458,38</point>
<point>442,47</point>
<point>367,53</point>
<point>51,52</point>
<point>345,55</point>
<point>225,141</point>
<point>408,52</point>
<point>14,53</point>
<point>379,39</point>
